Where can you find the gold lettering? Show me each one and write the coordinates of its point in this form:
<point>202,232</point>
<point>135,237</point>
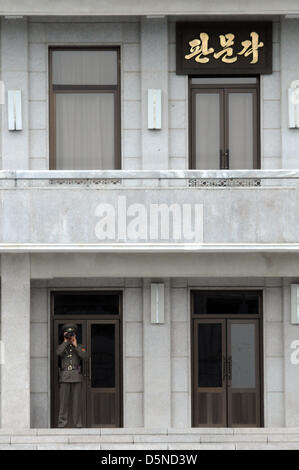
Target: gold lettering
<point>251,47</point>
<point>226,41</point>
<point>199,48</point>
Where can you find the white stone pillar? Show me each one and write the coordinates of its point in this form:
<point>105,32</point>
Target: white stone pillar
<point>290,366</point>
<point>289,73</point>
<point>157,364</point>
<point>14,74</point>
<point>154,74</point>
<point>15,334</point>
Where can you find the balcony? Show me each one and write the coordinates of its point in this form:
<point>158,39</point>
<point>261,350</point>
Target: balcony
<point>252,210</point>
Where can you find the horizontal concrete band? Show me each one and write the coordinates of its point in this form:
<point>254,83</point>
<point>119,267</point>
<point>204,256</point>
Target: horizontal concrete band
<point>172,439</point>
<point>143,7</point>
<point>142,431</point>
<point>146,174</point>
<point>149,248</point>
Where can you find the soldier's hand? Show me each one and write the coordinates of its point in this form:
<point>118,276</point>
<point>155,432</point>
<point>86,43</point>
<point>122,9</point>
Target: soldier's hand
<point>74,341</point>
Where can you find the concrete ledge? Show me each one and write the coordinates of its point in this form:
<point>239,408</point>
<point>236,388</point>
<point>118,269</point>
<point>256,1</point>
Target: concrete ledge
<point>146,174</point>
<point>149,247</point>
<point>39,439</point>
<point>69,432</point>
<point>133,431</point>
<point>143,7</point>
<point>150,439</point>
<point>18,432</point>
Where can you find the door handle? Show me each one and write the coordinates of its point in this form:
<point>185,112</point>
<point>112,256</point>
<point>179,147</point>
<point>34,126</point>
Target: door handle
<point>221,162</point>
<point>226,160</point>
<point>229,367</point>
<point>89,368</point>
<point>84,371</point>
<point>223,368</point>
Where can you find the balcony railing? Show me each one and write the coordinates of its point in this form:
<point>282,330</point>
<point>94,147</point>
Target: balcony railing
<point>196,179</point>
<point>225,210</point>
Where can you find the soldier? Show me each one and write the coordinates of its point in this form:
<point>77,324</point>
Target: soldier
<point>70,377</point>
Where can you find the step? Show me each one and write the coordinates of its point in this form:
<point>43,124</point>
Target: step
<point>151,439</point>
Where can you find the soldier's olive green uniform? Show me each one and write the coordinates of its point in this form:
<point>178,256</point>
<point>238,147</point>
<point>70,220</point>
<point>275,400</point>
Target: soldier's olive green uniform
<point>70,378</point>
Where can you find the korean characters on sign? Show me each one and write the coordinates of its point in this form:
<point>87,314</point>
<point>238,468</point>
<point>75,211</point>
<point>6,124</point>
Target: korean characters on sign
<point>200,50</point>
<point>223,48</point>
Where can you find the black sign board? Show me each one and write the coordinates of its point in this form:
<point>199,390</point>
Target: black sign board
<point>230,48</point>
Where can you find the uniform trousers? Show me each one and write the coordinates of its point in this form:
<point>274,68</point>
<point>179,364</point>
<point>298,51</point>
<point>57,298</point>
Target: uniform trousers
<point>70,391</point>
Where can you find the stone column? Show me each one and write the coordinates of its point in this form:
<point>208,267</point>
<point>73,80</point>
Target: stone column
<point>154,74</point>
<point>290,366</point>
<point>157,364</point>
<point>14,74</point>
<point>289,73</point>
<point>15,334</point>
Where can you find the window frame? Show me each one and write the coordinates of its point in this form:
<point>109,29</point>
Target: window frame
<point>54,89</point>
<point>233,86</point>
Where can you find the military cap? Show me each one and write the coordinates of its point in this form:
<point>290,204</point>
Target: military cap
<point>69,327</point>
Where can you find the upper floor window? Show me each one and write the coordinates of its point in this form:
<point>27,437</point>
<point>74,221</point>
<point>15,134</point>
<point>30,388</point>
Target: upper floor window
<point>224,123</point>
<point>84,108</point>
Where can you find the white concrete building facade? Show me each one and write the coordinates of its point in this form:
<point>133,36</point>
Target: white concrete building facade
<point>241,258</point>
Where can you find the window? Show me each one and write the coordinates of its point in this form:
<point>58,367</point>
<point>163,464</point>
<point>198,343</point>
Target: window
<point>224,123</point>
<point>230,302</point>
<point>84,108</point>
<point>87,303</point>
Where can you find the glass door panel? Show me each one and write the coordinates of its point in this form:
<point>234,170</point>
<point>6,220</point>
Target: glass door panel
<point>104,388</point>
<point>241,135</point>
<point>102,356</point>
<point>243,372</point>
<point>209,373</point>
<point>208,132</point>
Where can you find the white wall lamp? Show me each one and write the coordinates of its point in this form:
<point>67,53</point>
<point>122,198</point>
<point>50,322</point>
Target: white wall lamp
<point>157,303</point>
<point>293,99</point>
<point>295,303</point>
<point>154,107</point>
<point>14,104</point>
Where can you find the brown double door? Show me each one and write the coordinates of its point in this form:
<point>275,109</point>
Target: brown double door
<point>101,398</point>
<point>226,373</point>
<point>224,130</point>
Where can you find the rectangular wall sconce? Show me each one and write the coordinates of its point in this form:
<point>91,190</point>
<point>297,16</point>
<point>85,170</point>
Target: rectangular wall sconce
<point>293,103</point>
<point>14,103</point>
<point>154,107</point>
<point>295,303</point>
<point>157,303</point>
